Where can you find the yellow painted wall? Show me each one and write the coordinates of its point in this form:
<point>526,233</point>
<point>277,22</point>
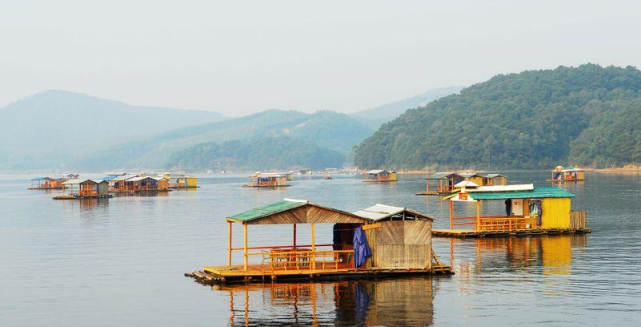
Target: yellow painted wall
<point>556,213</point>
<point>192,182</point>
<point>392,176</point>
<point>476,180</point>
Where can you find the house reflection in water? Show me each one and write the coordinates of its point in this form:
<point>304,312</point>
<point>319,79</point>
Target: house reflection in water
<point>386,302</point>
<point>552,255</point>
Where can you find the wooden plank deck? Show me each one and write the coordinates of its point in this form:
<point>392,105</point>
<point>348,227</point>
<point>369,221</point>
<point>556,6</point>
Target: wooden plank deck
<point>463,233</point>
<point>262,272</point>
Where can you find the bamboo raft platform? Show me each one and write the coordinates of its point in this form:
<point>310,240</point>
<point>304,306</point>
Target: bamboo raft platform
<point>260,273</point>
<point>471,233</point>
<point>81,197</point>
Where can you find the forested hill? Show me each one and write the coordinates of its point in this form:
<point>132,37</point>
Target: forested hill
<point>588,115</point>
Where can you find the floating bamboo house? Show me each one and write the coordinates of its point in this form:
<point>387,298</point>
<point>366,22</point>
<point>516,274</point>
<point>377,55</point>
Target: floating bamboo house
<point>444,182</point>
<point>380,176</point>
<point>267,180</point>
<point>181,181</point>
<point>376,241</point>
<point>567,174</point>
<point>142,184</point>
<point>47,183</point>
<point>528,211</point>
<point>84,189</point>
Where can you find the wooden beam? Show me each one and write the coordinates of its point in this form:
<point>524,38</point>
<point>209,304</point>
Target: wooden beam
<point>294,236</point>
<point>477,225</point>
<point>313,246</point>
<point>229,247</point>
<point>245,259</point>
<point>451,214</point>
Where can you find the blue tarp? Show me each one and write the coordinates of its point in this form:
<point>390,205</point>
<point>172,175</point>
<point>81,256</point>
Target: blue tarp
<point>108,178</point>
<point>361,247</point>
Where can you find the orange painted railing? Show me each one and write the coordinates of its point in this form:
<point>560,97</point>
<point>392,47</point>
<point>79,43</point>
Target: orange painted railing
<point>502,223</point>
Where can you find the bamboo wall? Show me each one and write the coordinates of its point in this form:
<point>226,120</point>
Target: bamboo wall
<point>556,213</point>
<point>578,220</point>
<point>401,244</point>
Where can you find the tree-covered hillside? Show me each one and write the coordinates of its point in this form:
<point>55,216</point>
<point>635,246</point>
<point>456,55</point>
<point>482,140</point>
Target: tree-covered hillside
<point>258,154</point>
<point>535,119</point>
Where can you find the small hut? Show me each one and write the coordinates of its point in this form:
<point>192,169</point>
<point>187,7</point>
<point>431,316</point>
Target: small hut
<point>47,183</point>
<point>441,183</point>
<point>84,189</point>
<point>380,176</point>
<point>146,184</point>
<point>528,210</point>
<point>267,180</point>
<point>407,251</point>
<point>181,181</point>
<point>567,174</point>
<point>400,238</point>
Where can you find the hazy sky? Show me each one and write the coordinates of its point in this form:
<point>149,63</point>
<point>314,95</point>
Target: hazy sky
<point>239,57</point>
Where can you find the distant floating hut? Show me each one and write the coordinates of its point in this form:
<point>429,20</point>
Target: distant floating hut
<point>380,240</point>
<point>47,183</point>
<point>380,176</point>
<point>528,210</point>
<point>567,174</point>
<point>444,182</point>
<point>84,189</point>
<point>259,179</point>
<point>181,181</point>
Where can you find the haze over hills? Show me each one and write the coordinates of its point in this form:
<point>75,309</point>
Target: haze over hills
<point>586,115</point>
<point>331,135</point>
<point>377,116</point>
<point>45,129</point>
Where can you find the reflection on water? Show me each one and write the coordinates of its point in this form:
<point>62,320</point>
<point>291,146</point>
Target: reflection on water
<point>388,302</point>
<point>552,254</point>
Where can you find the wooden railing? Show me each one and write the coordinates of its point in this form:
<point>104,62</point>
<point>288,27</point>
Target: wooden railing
<point>504,223</point>
<point>578,220</point>
<point>302,257</point>
<point>507,223</point>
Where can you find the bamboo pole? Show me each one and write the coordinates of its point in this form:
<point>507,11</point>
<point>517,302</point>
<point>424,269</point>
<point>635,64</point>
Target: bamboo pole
<point>313,246</point>
<point>451,214</point>
<point>229,242</point>
<point>245,259</point>
<point>294,236</point>
<point>478,215</point>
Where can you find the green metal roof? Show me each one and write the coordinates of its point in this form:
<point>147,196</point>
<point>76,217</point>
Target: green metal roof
<point>441,175</point>
<point>267,210</point>
<point>468,175</point>
<point>539,192</point>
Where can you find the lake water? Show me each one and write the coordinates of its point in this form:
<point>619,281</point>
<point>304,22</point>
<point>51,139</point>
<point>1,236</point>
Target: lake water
<point>120,262</point>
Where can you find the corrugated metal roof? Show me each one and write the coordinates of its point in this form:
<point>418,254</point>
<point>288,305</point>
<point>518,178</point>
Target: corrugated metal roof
<point>375,171</point>
<point>379,211</point>
<point>269,209</point>
<point>466,184</point>
<point>491,175</point>
<point>125,177</point>
<point>540,192</point>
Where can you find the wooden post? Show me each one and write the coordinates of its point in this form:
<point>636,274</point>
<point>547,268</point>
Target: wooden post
<point>451,214</point>
<point>229,227</point>
<point>245,260</point>
<point>294,237</point>
<point>313,247</point>
<point>478,215</point>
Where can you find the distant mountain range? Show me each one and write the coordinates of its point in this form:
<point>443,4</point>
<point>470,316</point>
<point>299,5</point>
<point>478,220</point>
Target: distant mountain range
<point>45,130</point>
<point>59,130</point>
<point>324,130</point>
<point>375,117</point>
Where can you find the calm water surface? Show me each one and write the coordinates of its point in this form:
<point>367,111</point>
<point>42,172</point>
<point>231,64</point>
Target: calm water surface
<point>120,262</point>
